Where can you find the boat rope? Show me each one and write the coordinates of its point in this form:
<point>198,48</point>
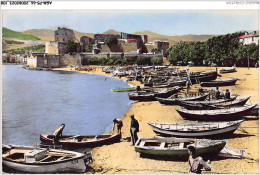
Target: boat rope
<point>242,130</point>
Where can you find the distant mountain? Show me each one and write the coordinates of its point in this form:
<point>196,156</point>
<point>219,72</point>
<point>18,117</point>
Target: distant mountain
<point>18,35</point>
<point>174,39</point>
<point>48,35</point>
<point>111,31</point>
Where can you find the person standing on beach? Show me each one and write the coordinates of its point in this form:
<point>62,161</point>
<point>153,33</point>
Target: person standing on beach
<point>196,163</point>
<point>119,124</point>
<point>134,129</point>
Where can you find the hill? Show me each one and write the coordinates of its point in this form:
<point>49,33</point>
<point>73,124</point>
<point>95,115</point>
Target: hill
<point>18,35</point>
<point>48,35</point>
<point>174,39</point>
<point>111,31</point>
<point>43,34</point>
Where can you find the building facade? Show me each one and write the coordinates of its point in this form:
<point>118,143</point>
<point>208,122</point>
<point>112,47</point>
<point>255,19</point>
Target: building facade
<point>64,35</point>
<point>249,38</point>
<point>86,41</point>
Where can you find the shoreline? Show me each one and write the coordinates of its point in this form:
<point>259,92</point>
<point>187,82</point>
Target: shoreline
<point>121,158</point>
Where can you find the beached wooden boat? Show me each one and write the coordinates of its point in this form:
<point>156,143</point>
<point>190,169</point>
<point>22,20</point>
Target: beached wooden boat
<point>228,104</point>
<point>178,147</point>
<point>227,70</point>
<point>41,160</point>
<point>205,106</point>
<point>195,130</point>
<point>170,83</point>
<point>216,83</point>
<point>123,89</point>
<point>226,114</point>
<point>81,141</point>
<point>177,101</point>
<point>150,96</point>
<point>210,102</point>
<point>203,77</point>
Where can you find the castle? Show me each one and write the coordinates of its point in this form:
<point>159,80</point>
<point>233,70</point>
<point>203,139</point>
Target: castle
<point>59,53</point>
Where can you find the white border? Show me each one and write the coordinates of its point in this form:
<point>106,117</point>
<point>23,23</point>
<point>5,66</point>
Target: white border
<point>248,5</point>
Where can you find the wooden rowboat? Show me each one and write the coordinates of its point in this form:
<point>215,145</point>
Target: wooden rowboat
<point>81,141</point>
<point>227,70</point>
<point>41,160</point>
<point>177,101</point>
<point>210,102</point>
<point>216,83</point>
<point>227,114</point>
<point>205,106</point>
<point>123,89</point>
<point>195,130</point>
<point>177,147</point>
<point>150,96</point>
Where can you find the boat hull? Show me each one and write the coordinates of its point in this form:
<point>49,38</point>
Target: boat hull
<point>77,164</point>
<point>209,150</point>
<point>177,101</point>
<point>153,96</point>
<point>218,83</point>
<point>214,115</point>
<point>197,134</point>
<point>83,144</point>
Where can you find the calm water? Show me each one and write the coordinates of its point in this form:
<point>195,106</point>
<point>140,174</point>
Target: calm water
<point>36,102</point>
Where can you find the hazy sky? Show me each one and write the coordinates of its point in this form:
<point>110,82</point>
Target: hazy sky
<point>167,22</point>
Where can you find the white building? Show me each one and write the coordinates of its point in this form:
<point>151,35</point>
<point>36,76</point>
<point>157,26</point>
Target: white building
<point>249,38</point>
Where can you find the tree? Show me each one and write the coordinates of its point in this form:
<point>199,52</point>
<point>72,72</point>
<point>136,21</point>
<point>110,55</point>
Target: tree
<point>89,48</point>
<point>72,47</point>
<point>111,40</point>
<point>143,60</point>
<point>157,60</point>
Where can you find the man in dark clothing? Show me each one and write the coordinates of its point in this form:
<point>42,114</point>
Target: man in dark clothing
<point>196,162</point>
<point>134,129</point>
<point>227,94</point>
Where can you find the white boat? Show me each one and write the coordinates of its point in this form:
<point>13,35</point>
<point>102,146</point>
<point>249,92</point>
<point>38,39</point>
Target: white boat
<point>195,130</point>
<point>43,160</point>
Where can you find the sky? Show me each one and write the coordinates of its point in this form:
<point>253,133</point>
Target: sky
<point>166,22</point>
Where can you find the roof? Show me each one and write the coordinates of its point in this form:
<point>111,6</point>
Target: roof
<point>246,36</point>
<point>88,37</point>
<point>131,39</point>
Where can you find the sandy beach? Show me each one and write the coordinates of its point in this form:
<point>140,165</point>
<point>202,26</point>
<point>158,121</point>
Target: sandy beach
<point>121,158</point>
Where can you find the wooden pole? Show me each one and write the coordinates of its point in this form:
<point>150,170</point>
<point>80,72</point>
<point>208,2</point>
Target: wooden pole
<point>248,62</point>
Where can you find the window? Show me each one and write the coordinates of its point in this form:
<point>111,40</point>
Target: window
<point>252,38</point>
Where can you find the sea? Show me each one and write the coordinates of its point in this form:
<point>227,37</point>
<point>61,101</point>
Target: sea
<point>36,102</point>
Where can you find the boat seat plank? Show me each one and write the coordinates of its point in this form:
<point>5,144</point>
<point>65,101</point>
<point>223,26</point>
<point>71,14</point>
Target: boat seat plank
<point>44,158</point>
<point>142,143</point>
<point>162,145</point>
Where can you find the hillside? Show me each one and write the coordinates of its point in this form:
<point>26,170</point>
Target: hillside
<point>174,39</point>
<point>43,34</point>
<point>18,35</point>
<point>48,35</point>
<point>111,31</point>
